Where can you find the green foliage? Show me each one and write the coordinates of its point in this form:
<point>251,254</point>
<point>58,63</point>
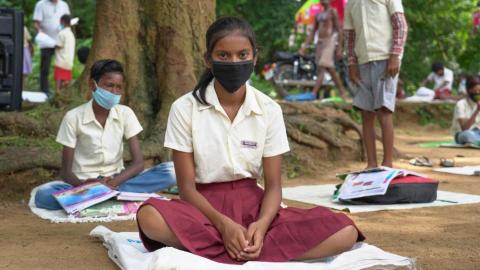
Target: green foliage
<point>470,58</point>
<point>265,86</point>
<point>354,114</point>
<point>440,115</point>
<point>272,21</point>
<point>47,144</point>
<point>438,31</point>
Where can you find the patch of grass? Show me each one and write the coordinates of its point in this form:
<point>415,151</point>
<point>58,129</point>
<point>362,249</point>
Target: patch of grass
<point>440,115</point>
<point>354,114</point>
<point>294,167</point>
<point>38,111</point>
<point>48,143</point>
<point>263,85</point>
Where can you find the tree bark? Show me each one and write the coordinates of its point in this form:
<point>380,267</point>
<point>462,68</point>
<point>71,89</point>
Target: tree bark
<point>161,46</point>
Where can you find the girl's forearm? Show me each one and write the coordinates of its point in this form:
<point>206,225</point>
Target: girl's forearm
<point>198,200</point>
<point>270,204</point>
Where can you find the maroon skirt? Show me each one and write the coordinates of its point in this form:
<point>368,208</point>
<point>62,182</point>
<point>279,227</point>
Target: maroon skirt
<point>293,231</point>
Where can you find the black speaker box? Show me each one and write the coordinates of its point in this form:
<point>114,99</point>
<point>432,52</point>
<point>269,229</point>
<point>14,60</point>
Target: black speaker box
<point>11,58</point>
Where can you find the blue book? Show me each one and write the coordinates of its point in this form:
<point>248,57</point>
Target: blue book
<point>83,196</point>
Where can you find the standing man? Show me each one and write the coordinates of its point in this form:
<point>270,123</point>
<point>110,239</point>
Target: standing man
<point>46,18</point>
<point>375,34</point>
<point>327,49</point>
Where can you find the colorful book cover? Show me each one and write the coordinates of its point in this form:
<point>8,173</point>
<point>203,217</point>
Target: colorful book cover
<point>110,208</point>
<point>83,196</point>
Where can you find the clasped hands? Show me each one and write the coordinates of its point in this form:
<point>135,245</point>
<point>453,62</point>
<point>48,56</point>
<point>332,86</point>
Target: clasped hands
<point>243,244</point>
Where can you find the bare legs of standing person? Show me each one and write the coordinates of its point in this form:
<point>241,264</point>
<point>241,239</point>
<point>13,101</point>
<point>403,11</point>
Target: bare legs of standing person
<point>336,80</point>
<point>368,126</point>
<point>386,123</point>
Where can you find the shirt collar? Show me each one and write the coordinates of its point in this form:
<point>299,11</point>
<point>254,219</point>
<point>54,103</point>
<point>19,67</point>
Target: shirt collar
<point>89,115</point>
<point>249,105</point>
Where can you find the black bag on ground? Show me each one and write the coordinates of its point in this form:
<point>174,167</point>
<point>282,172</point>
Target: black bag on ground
<point>403,189</point>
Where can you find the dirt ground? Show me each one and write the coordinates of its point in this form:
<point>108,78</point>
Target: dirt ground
<point>437,237</point>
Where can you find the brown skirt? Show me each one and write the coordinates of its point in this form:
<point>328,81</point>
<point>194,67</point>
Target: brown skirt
<point>325,51</point>
<point>293,231</point>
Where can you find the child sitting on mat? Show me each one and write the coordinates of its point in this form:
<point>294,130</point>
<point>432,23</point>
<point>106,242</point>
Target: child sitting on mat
<point>92,138</point>
<point>223,135</point>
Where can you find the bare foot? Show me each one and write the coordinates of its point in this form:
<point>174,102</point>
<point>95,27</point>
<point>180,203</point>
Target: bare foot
<point>387,164</point>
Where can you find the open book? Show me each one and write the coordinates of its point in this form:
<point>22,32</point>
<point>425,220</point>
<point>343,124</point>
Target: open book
<point>84,196</point>
<point>369,183</point>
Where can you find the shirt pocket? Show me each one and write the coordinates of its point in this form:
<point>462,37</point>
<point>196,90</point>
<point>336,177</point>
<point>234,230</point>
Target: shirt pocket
<point>251,152</point>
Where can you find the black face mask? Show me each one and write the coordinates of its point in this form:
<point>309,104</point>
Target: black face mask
<point>474,96</point>
<point>232,75</point>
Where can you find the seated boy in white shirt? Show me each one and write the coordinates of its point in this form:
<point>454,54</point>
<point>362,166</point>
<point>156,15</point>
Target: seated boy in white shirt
<point>92,135</point>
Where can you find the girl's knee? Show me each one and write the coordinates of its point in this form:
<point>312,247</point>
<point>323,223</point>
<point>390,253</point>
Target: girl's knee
<point>149,219</point>
<point>350,236</point>
<point>145,216</point>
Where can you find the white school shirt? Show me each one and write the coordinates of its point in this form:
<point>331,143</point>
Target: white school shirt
<point>447,76</point>
<point>225,151</point>
<point>65,51</point>
<point>371,21</point>
<point>98,150</point>
<point>464,109</point>
<point>48,14</point>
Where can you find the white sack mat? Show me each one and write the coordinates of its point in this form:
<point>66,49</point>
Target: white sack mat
<point>467,170</point>
<point>35,97</point>
<point>60,216</point>
<point>322,194</point>
<point>127,251</point>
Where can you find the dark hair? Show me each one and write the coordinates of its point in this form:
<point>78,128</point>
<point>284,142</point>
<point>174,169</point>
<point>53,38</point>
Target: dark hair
<point>82,54</point>
<point>218,30</point>
<point>65,19</point>
<point>437,66</point>
<point>101,67</point>
<point>472,81</point>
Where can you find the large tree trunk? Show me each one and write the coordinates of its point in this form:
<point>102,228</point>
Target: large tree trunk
<point>160,44</point>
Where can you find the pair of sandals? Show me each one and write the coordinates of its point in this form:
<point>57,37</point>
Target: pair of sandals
<point>425,162</point>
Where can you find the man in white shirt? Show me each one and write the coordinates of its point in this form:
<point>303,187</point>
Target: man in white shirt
<point>375,34</point>
<point>443,79</point>
<point>46,18</point>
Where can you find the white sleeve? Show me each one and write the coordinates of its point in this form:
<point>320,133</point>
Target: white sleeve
<point>460,110</point>
<point>132,125</point>
<point>347,21</point>
<point>448,75</point>
<point>276,140</point>
<point>431,76</point>
<point>37,13</point>
<point>67,133</point>
<point>60,42</point>
<point>394,6</point>
<point>179,127</point>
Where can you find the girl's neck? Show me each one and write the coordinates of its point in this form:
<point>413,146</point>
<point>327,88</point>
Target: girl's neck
<point>228,99</point>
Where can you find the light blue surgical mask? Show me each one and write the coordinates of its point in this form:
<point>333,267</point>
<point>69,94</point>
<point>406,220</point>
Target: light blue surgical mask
<point>104,98</point>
